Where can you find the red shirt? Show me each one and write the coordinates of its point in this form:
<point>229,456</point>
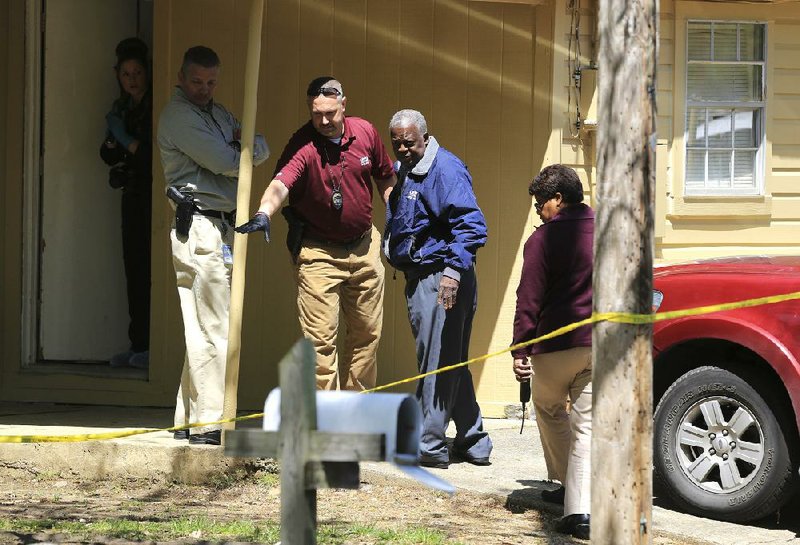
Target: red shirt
<point>311,165</point>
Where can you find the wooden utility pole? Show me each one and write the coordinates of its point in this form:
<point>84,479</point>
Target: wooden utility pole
<point>242,206</point>
<point>623,264</point>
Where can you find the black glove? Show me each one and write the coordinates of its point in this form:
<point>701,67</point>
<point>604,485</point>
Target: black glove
<point>259,222</point>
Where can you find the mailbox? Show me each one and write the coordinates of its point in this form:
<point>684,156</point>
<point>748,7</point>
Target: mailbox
<point>397,417</point>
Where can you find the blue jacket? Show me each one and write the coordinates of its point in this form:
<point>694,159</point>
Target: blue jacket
<point>433,221</point>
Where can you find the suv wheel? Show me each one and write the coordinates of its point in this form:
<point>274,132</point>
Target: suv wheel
<point>718,449</point>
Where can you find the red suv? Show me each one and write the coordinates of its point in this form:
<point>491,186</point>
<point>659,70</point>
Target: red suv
<point>727,387</point>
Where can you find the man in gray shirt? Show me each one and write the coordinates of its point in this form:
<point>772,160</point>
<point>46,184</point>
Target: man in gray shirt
<point>199,143</point>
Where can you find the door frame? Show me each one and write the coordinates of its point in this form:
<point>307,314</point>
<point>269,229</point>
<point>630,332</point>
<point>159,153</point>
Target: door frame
<point>31,186</point>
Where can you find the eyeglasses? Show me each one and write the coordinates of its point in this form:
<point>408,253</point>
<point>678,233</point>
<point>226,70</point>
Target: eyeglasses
<point>539,205</point>
<point>325,91</point>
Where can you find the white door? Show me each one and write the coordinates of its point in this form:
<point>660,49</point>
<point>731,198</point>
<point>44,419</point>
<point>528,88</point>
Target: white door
<point>83,305</point>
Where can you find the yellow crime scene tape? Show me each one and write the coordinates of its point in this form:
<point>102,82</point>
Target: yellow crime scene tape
<point>617,317</point>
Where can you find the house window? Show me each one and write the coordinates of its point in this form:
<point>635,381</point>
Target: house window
<point>725,108</point>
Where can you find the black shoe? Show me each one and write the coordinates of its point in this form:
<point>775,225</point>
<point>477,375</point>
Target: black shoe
<point>554,496</point>
<point>180,435</point>
<point>474,460</point>
<point>438,463</point>
<point>576,525</point>
<point>207,438</point>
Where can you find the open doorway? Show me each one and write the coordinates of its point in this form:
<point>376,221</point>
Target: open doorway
<point>77,306</point>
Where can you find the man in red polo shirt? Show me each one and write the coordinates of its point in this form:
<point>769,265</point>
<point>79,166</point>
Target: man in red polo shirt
<point>326,170</point>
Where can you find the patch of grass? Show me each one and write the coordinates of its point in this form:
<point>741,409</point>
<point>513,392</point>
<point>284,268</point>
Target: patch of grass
<point>268,479</point>
<point>412,535</point>
<point>228,478</point>
<point>197,528</point>
<point>260,471</point>
<point>48,475</point>
<point>204,529</point>
<point>26,526</point>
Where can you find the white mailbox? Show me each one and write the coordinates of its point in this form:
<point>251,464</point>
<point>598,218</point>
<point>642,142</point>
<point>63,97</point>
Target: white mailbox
<point>396,416</point>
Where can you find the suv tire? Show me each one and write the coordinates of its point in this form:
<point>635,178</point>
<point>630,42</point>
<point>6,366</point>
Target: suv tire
<point>718,450</point>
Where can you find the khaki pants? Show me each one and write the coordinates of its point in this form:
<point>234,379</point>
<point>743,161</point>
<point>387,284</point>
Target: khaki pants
<point>204,281</point>
<point>330,277</point>
<point>566,438</point>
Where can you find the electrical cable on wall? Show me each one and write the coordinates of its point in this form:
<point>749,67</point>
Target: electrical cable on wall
<point>574,69</point>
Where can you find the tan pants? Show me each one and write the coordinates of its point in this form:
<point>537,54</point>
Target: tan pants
<point>204,281</point>
<point>330,277</point>
<point>566,437</point>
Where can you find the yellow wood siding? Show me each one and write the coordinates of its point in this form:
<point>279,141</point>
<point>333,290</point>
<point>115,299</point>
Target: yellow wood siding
<point>713,226</point>
<point>468,66</point>
<point>689,227</point>
<point>568,145</point>
<point>493,80</point>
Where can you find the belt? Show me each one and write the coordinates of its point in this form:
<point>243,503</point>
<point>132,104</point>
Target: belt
<point>229,217</point>
<point>339,243</point>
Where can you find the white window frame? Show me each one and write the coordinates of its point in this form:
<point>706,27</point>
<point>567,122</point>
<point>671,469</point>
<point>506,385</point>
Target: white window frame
<point>759,164</point>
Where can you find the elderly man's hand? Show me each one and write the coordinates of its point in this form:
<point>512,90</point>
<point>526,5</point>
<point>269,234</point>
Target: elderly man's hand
<point>448,287</point>
<point>522,369</point>
<point>259,222</point>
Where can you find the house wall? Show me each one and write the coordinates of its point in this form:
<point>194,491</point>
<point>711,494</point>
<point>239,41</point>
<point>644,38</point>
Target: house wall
<point>493,79</point>
<point>705,226</point>
<point>481,73</point>
<point>567,144</point>
<point>695,227</point>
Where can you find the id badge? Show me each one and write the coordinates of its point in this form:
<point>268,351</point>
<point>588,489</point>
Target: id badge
<point>227,254</point>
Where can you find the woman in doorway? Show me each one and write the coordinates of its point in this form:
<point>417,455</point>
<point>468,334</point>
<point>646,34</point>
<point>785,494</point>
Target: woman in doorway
<point>127,149</point>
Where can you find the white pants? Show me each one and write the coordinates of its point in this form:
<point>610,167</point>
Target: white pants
<point>204,281</point>
<point>566,437</point>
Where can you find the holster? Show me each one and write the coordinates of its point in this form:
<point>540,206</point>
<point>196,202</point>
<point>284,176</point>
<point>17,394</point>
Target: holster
<point>294,236</point>
<point>184,212</point>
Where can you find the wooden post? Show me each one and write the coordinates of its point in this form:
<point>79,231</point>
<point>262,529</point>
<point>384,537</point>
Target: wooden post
<point>298,420</point>
<point>623,261</point>
<point>242,207</point>
<point>310,459</point>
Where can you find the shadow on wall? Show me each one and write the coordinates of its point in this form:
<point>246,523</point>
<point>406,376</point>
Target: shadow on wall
<point>469,67</point>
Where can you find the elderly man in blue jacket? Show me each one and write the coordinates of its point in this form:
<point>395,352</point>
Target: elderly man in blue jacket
<point>433,231</point>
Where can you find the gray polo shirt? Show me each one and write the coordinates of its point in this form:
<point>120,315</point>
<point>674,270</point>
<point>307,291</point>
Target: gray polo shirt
<point>196,154</point>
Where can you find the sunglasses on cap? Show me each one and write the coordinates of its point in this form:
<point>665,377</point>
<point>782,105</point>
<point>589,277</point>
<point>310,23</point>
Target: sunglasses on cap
<point>325,91</point>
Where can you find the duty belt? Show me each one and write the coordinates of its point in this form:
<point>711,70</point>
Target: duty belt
<point>229,217</point>
<point>348,243</point>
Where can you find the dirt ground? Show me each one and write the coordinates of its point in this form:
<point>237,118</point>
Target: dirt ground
<point>254,495</point>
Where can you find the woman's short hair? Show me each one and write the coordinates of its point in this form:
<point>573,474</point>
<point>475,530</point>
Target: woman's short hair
<point>557,179</point>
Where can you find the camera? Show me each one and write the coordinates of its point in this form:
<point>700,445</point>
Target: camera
<point>119,176</point>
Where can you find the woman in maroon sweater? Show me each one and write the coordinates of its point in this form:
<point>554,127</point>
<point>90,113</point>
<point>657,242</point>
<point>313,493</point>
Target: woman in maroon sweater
<point>556,290</point>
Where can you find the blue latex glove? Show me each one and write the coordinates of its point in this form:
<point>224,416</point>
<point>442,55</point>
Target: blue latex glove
<point>259,222</point>
<point>116,126</point>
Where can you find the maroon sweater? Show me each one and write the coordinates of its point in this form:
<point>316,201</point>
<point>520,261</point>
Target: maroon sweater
<point>556,284</point>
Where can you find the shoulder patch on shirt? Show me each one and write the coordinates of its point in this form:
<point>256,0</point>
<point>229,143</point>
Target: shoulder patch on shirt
<point>364,161</point>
